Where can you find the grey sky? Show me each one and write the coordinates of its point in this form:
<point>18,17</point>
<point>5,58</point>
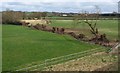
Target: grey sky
<point>60,6</point>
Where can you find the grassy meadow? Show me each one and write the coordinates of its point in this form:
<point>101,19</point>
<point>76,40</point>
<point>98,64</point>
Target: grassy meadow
<point>22,45</point>
<point>0,47</point>
<point>110,27</point>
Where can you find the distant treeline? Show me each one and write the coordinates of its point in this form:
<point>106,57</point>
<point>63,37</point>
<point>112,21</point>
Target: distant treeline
<point>13,17</point>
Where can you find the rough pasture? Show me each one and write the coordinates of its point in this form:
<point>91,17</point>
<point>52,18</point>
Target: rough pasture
<point>95,62</point>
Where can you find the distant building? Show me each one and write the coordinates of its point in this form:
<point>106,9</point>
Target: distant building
<point>64,14</point>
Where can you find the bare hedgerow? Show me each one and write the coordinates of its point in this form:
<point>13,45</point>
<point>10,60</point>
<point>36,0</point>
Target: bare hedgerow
<point>11,17</point>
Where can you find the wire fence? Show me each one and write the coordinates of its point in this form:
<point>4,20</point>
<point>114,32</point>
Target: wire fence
<point>53,61</point>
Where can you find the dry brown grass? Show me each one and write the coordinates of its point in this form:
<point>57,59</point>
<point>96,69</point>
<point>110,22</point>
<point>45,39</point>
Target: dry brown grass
<point>99,61</point>
<point>34,22</point>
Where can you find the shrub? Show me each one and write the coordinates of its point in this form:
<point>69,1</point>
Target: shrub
<point>11,17</point>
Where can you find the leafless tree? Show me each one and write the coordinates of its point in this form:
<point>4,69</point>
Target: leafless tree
<point>90,19</point>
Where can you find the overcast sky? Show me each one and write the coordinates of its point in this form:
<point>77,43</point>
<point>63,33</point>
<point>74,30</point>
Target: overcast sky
<point>106,6</point>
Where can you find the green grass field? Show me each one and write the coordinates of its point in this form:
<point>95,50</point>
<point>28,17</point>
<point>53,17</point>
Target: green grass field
<point>22,45</point>
<point>0,47</point>
<point>110,27</point>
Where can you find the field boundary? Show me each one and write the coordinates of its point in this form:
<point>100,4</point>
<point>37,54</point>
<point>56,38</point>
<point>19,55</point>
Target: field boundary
<point>49,62</point>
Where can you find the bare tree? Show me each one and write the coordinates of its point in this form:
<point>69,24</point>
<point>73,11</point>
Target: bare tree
<point>91,19</point>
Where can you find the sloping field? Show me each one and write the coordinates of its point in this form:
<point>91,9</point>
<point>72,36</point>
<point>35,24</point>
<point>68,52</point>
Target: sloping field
<point>22,46</point>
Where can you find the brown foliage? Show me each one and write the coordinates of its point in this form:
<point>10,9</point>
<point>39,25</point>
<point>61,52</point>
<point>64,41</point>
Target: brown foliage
<point>81,36</point>
<point>24,23</point>
<point>11,17</point>
<point>53,29</point>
